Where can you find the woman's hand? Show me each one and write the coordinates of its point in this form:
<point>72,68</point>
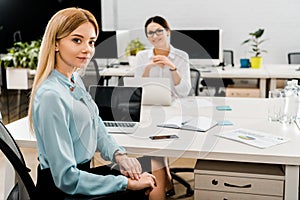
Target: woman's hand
<point>129,167</point>
<point>163,61</point>
<point>146,181</point>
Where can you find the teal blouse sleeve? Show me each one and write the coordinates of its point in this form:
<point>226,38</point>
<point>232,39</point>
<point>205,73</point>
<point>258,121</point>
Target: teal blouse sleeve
<point>65,137</point>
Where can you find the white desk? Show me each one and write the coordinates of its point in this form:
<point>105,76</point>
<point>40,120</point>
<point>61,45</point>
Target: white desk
<point>282,72</point>
<point>240,73</point>
<point>270,72</point>
<point>119,71</point>
<point>213,72</point>
<point>247,113</point>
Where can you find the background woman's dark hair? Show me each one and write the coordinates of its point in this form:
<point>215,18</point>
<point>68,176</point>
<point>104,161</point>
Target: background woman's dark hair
<point>159,20</point>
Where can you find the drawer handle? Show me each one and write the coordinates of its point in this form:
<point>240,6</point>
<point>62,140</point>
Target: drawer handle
<point>215,182</point>
<point>237,186</point>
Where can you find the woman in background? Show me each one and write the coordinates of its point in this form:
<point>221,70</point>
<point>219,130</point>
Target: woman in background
<point>164,60</point>
<point>66,123</point>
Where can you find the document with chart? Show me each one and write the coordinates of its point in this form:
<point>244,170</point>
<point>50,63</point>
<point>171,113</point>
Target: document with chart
<point>199,123</point>
<point>253,138</point>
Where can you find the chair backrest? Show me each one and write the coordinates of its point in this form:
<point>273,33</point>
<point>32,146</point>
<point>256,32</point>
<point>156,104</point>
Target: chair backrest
<point>91,74</point>
<point>25,187</point>
<point>195,81</point>
<point>294,58</point>
<point>228,57</point>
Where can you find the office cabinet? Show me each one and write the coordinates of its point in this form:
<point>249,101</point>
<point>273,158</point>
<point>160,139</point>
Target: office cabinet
<point>237,180</point>
<point>243,88</point>
<point>242,92</point>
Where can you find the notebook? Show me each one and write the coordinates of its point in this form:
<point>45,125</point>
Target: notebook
<point>119,107</point>
<point>156,91</point>
<point>199,123</point>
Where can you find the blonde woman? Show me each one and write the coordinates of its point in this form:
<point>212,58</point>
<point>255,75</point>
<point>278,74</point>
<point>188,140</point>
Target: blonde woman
<point>66,123</point>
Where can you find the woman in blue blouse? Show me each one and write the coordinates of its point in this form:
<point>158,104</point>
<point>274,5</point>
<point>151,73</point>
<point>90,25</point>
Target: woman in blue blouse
<point>65,119</point>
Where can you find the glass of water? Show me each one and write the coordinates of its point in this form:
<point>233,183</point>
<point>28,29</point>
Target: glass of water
<point>275,105</point>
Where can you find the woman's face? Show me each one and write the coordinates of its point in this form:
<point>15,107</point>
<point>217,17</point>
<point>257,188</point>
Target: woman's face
<point>157,35</point>
<point>77,49</point>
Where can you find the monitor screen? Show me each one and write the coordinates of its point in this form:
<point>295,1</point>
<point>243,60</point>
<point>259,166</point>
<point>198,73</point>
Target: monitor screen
<point>204,46</point>
<point>106,45</point>
<point>26,20</point>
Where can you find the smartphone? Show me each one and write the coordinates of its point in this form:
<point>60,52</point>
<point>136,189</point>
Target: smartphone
<point>160,137</point>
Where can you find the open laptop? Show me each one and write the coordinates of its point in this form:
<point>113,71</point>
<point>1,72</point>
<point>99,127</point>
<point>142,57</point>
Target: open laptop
<point>119,107</point>
<point>156,90</point>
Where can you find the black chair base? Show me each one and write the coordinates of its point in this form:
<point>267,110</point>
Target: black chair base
<point>189,190</point>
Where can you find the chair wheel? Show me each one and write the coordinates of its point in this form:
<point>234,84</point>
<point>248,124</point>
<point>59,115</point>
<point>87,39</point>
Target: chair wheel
<point>189,192</point>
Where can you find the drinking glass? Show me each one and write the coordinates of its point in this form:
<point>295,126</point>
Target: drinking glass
<point>275,105</point>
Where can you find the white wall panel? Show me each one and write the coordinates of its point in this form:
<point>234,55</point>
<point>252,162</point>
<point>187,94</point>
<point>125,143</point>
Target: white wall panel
<point>280,18</point>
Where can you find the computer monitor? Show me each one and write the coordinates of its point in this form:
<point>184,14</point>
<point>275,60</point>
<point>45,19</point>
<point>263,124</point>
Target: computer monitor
<point>106,45</point>
<point>204,46</point>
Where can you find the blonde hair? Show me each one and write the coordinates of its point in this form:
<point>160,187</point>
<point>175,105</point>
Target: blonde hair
<point>62,24</point>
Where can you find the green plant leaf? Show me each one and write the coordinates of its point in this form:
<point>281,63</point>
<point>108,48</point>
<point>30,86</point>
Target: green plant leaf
<point>134,46</point>
<point>256,41</point>
<point>22,54</point>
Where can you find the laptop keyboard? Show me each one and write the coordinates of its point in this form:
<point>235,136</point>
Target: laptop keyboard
<point>119,124</point>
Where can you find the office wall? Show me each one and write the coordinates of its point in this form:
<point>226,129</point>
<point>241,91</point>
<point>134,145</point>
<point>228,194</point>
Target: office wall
<point>279,18</point>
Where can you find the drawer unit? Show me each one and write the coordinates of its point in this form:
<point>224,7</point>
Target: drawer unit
<point>242,92</point>
<point>237,180</point>
<point>213,195</point>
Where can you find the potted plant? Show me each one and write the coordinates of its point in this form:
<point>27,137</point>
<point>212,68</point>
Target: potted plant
<point>20,62</point>
<point>256,41</point>
<point>134,46</point>
<point>132,49</point>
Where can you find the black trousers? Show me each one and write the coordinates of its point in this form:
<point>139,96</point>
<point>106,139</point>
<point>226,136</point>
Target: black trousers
<point>47,189</point>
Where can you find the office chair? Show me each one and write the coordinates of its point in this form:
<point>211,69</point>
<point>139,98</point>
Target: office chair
<point>228,59</point>
<point>91,75</point>
<point>195,81</point>
<point>94,78</point>
<point>25,187</point>
<point>174,170</point>
<point>294,58</point>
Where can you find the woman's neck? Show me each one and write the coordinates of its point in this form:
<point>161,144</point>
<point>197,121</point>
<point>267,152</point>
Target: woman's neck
<point>66,72</point>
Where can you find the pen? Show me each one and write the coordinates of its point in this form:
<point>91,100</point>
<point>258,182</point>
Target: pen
<point>297,123</point>
<point>183,123</point>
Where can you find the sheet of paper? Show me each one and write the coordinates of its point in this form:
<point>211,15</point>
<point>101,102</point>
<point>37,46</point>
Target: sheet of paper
<point>254,138</point>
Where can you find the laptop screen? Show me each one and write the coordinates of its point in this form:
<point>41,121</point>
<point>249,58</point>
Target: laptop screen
<point>156,90</point>
<point>118,103</point>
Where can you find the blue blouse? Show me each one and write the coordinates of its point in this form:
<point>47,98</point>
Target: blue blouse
<point>69,131</point>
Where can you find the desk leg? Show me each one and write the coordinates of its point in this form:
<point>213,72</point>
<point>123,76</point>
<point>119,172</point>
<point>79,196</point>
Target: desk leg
<point>291,182</point>
<point>263,87</point>
<point>273,83</point>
